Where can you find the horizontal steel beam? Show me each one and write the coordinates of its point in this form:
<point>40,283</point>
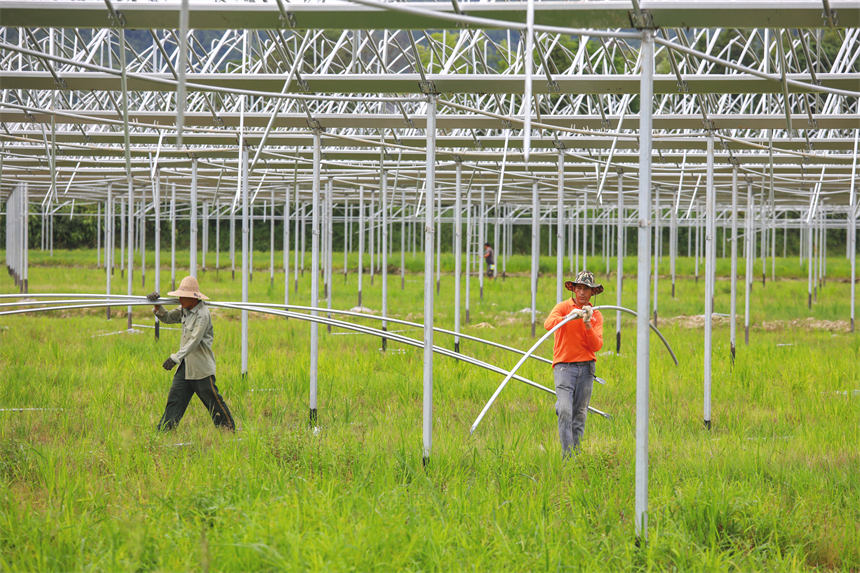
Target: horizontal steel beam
<point>443,121</point>
<point>305,140</point>
<point>413,83</point>
<point>341,15</point>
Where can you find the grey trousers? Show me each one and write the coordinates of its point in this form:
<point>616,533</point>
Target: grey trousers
<point>181,392</point>
<point>573,382</point>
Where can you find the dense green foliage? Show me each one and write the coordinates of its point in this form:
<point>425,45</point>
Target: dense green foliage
<point>88,483</point>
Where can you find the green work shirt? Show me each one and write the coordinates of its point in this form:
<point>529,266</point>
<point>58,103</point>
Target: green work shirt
<point>195,347</point>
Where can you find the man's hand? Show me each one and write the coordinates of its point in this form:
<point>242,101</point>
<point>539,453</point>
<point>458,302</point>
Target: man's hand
<point>586,317</point>
<point>169,364</point>
<point>153,296</point>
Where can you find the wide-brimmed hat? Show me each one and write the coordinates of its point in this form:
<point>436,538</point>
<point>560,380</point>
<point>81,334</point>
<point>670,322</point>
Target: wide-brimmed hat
<point>584,278</point>
<point>190,289</point>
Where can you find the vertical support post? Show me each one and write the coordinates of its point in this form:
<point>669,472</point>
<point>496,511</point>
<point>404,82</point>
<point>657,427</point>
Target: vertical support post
<point>383,251</point>
<point>217,236</point>
<point>481,241</point>
<point>643,363</point>
<point>733,279</point>
<point>142,238</point>
<point>286,243</point>
<point>99,235</point>
<point>246,253</point>
<point>657,253</point>
<point>271,237</point>
<point>296,240</point>
<point>204,246</point>
<point>233,239</point>
<point>156,207</point>
<point>315,278</point>
<point>710,252</point>
<point>438,241</point>
<point>749,244</point>
<point>347,236</point>
<point>468,252</point>
<point>428,277</point>
<point>192,246</point>
<point>535,252</point>
<point>173,236</point>
<point>673,240</point>
<point>360,241</point>
<point>108,243</point>
<point>402,240</point>
<point>559,230</point>
<point>619,279</point>
<point>810,261</point>
<point>329,250</point>
<point>458,247</point>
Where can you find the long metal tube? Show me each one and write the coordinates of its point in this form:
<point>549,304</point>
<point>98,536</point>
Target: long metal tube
<point>173,236</point>
<point>643,363</point>
<point>192,245</point>
<point>535,253</point>
<point>360,240</point>
<point>157,209</point>
<point>428,276</point>
<point>122,300</point>
<point>108,242</point>
<point>458,247</point>
<point>271,305</point>
<point>619,279</point>
<point>286,243</point>
<point>709,275</point>
<point>529,353</point>
<point>559,230</point>
<point>246,254</point>
<point>749,244</point>
<point>383,252</point>
<point>315,277</point>
<point>481,241</point>
<point>127,154</point>
<point>733,279</point>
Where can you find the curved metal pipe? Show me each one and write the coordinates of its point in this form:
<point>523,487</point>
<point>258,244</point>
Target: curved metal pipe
<point>572,316</point>
<point>165,301</point>
<point>319,319</point>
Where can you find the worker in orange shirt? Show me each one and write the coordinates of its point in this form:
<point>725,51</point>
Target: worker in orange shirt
<point>573,358</point>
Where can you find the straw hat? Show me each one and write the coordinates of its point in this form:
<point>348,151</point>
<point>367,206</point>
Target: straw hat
<point>584,278</point>
<point>189,288</point>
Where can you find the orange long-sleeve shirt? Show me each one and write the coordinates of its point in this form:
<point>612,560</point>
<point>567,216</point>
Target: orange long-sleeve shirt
<point>573,342</point>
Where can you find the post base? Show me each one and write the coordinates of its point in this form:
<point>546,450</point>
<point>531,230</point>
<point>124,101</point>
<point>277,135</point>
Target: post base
<point>312,417</point>
<point>617,343</point>
<point>707,424</point>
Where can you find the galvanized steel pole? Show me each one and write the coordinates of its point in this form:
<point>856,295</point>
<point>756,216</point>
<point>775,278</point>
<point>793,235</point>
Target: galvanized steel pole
<point>559,230</point>
<point>315,277</point>
<point>733,279</point>
<point>535,253</point>
<point>246,252</point>
<point>428,277</point>
<point>710,204</point>
<point>458,247</point>
<point>643,363</point>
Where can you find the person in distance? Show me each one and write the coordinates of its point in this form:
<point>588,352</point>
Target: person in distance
<point>573,358</point>
<point>196,361</point>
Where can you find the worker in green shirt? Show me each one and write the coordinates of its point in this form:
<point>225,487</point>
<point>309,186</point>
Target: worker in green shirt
<point>196,361</point>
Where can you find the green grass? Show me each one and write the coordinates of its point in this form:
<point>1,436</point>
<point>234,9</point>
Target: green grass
<point>89,484</point>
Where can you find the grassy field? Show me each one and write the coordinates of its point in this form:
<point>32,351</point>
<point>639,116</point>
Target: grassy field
<point>87,483</point>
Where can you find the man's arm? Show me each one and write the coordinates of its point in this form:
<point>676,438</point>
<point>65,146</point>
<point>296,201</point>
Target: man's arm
<point>556,316</point>
<point>168,317</point>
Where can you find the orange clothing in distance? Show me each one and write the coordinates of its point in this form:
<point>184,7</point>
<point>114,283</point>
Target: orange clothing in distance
<point>573,342</point>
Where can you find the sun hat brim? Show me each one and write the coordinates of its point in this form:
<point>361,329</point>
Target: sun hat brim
<point>597,289</point>
<point>188,294</point>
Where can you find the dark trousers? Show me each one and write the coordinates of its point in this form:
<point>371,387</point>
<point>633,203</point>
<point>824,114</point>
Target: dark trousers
<point>180,394</point>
